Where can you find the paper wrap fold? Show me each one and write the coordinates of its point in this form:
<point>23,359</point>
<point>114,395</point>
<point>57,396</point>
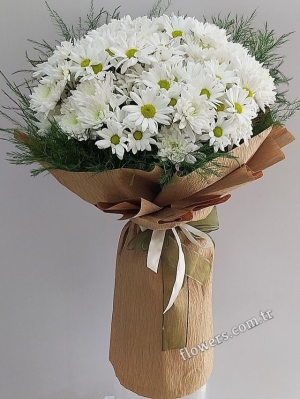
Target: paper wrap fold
<point>137,331</point>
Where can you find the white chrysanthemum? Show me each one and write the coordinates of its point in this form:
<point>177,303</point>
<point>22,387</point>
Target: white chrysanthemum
<point>265,95</point>
<point>44,97</point>
<point>240,105</point>
<point>192,110</point>
<point>113,137</point>
<point>208,35</point>
<point>50,74</point>
<point>139,140</point>
<point>151,109</point>
<point>94,113</point>
<point>219,135</point>
<point>189,71</point>
<point>221,71</point>
<point>61,52</point>
<point>175,146</point>
<point>158,39</point>
<point>241,133</point>
<point>69,123</point>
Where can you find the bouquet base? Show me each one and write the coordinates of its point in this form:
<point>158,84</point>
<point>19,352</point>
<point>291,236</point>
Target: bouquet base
<point>123,393</point>
<point>136,352</point>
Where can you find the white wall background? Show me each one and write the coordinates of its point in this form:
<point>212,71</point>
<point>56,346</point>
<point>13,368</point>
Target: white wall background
<point>57,252</point>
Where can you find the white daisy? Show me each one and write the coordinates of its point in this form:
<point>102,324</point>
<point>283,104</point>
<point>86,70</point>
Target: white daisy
<point>240,105</point>
<point>113,137</point>
<point>177,26</point>
<point>128,51</point>
<point>151,109</point>
<point>88,60</point>
<point>139,140</point>
<point>208,86</point>
<point>160,77</point>
<point>219,134</point>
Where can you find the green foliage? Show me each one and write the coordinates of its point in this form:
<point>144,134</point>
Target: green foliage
<point>93,21</point>
<point>159,8</point>
<point>264,45</point>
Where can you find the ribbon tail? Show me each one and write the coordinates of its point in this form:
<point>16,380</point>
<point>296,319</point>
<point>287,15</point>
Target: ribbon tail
<point>180,273</point>
<point>155,249</point>
<point>187,230</point>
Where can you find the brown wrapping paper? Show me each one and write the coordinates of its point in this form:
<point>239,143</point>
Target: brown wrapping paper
<point>137,322</point>
<point>136,330</point>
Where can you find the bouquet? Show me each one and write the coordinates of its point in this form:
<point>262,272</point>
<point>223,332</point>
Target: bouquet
<point>157,119</point>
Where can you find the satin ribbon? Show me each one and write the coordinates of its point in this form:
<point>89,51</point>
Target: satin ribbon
<point>155,251</point>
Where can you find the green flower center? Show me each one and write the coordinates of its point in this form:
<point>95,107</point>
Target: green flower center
<point>220,107</point>
<point>218,131</point>
<point>173,102</point>
<point>131,52</point>
<point>250,92</point>
<point>238,108</point>
<point>205,91</point>
<point>164,84</point>
<point>46,92</point>
<point>97,68</point>
<point>115,139</point>
<point>177,33</point>
<point>148,110</point>
<point>85,63</point>
<point>109,52</point>
<point>174,145</point>
<point>138,135</point>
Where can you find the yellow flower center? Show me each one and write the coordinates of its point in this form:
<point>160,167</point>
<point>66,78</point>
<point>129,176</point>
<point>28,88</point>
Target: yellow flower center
<point>148,110</point>
<point>109,52</point>
<point>177,33</point>
<point>238,108</point>
<point>115,139</point>
<point>250,92</point>
<point>164,84</point>
<point>97,68</point>
<point>218,131</point>
<point>131,52</point>
<point>220,107</point>
<point>138,135</point>
<point>173,102</point>
<point>205,91</point>
<point>85,63</point>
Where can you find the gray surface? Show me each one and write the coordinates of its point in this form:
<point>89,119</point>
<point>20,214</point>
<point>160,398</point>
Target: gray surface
<point>57,254</point>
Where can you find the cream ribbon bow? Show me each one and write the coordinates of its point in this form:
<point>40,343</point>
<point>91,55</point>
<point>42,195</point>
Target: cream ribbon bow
<point>155,250</point>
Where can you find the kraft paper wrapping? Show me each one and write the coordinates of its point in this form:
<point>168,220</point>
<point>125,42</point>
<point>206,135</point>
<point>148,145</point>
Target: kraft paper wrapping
<point>136,332</point>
